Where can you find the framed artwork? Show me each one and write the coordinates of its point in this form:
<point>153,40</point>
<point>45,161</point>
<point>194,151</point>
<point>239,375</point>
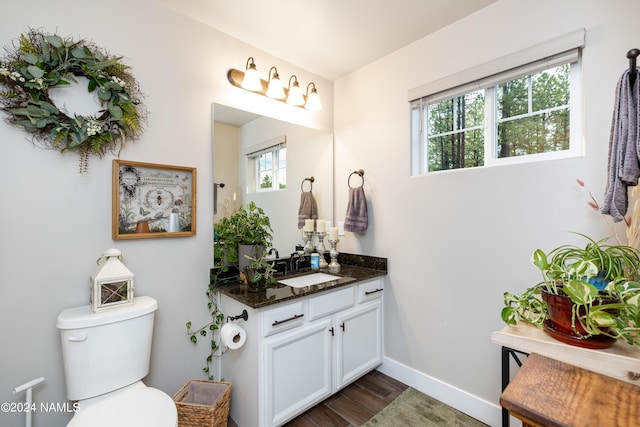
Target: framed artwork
<point>151,200</point>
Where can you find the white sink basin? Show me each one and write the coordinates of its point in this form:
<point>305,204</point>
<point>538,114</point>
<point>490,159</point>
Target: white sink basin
<point>308,280</point>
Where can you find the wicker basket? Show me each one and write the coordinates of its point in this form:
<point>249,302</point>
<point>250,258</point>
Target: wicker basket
<point>203,403</point>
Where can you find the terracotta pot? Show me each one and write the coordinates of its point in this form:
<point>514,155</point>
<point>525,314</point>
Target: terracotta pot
<point>142,227</point>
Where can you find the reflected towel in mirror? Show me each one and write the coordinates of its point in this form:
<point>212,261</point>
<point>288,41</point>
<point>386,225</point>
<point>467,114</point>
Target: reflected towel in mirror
<point>308,208</point>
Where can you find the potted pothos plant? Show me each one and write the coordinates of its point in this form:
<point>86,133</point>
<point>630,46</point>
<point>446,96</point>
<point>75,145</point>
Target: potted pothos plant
<point>247,232</point>
<point>259,272</point>
<point>589,296</point>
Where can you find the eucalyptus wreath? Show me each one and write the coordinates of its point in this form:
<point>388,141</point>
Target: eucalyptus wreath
<point>39,62</point>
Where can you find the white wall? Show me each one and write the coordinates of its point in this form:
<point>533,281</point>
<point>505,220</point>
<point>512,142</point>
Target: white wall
<point>457,240</point>
<point>225,157</point>
<point>57,222</point>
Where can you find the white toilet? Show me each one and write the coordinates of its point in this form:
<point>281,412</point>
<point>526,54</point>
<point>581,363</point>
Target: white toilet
<point>106,355</point>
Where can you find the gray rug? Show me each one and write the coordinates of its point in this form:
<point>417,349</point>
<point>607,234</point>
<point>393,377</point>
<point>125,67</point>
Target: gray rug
<point>412,409</point>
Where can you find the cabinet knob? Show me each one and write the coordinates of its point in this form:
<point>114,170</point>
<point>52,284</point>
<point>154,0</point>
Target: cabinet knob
<point>342,326</point>
<point>331,330</point>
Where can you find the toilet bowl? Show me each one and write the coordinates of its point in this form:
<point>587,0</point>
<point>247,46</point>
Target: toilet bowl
<point>106,355</point>
<point>135,405</point>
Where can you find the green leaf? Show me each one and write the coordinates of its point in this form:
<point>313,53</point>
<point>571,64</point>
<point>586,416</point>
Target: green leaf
<point>539,259</point>
<point>35,71</point>
<point>36,111</point>
<point>41,123</point>
<point>78,52</point>
<point>26,124</point>
<point>116,112</point>
<point>19,112</point>
<point>104,95</point>
<point>92,85</point>
<point>580,292</point>
<point>603,319</point>
<point>55,41</point>
<point>50,108</point>
<point>30,58</point>
<point>509,316</point>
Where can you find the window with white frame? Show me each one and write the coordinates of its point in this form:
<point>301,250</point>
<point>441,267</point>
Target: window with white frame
<point>268,167</point>
<point>527,113</point>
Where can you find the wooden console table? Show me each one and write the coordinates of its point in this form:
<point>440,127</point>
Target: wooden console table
<point>548,393</point>
<point>620,361</point>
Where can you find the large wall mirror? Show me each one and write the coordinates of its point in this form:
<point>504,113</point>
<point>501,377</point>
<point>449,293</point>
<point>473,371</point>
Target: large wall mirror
<point>237,137</point>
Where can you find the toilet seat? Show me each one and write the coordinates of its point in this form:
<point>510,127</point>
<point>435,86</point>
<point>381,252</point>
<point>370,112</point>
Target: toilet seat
<point>136,405</point>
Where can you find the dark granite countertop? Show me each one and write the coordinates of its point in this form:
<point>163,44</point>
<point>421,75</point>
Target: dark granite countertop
<point>353,269</point>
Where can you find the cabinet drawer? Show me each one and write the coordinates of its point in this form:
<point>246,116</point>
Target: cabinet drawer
<point>370,290</point>
<point>330,303</point>
<point>283,318</point>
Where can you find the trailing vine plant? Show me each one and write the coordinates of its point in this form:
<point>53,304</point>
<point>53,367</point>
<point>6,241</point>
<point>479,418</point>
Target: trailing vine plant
<point>39,62</point>
<point>212,328</point>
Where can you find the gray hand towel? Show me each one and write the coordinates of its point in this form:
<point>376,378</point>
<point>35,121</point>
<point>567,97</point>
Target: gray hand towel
<point>357,218</point>
<point>624,148</point>
<point>308,208</point>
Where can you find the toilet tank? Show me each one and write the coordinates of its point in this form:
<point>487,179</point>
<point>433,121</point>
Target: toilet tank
<point>108,350</point>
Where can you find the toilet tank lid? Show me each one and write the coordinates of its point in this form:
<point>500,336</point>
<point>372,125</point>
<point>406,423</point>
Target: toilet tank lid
<point>84,317</point>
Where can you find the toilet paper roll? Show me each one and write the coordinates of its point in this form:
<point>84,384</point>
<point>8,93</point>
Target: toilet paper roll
<point>233,336</point>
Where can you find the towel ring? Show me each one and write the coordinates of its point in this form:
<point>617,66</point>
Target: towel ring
<point>358,172</point>
<point>310,184</point>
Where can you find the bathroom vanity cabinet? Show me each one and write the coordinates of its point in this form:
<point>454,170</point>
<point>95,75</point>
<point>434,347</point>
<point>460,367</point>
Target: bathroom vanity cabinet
<point>302,351</point>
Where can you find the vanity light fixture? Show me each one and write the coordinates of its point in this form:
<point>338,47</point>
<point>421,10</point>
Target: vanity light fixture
<point>273,88</point>
<point>313,99</point>
<point>251,80</point>
<point>296,97</point>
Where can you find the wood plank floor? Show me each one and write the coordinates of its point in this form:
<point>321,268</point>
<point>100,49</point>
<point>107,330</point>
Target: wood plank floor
<point>352,406</point>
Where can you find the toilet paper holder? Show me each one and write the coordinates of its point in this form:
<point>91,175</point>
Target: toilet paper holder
<point>244,315</point>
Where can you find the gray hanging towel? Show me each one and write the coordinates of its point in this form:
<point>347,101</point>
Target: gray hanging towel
<point>357,218</point>
<point>308,208</point>
<point>624,148</point>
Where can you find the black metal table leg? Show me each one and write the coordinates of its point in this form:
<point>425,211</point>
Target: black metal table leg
<point>506,352</point>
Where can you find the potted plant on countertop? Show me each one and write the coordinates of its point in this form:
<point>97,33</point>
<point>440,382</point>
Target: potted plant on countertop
<point>259,272</point>
<point>589,296</point>
<point>246,232</point>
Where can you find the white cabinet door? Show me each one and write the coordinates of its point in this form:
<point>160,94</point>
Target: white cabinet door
<point>359,341</point>
<point>297,371</point>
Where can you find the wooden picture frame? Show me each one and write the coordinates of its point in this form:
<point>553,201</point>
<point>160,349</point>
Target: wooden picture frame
<point>152,200</point>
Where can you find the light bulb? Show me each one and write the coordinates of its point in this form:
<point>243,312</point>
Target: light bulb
<point>313,99</point>
<point>251,79</point>
<point>275,89</point>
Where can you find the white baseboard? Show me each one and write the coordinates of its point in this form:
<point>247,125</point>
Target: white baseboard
<point>487,412</point>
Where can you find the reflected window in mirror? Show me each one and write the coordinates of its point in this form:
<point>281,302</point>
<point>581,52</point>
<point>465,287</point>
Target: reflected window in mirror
<point>268,167</point>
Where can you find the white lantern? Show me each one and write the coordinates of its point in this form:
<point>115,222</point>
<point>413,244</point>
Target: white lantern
<point>111,283</point>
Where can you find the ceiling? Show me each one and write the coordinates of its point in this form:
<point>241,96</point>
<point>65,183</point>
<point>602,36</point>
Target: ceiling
<point>330,38</point>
